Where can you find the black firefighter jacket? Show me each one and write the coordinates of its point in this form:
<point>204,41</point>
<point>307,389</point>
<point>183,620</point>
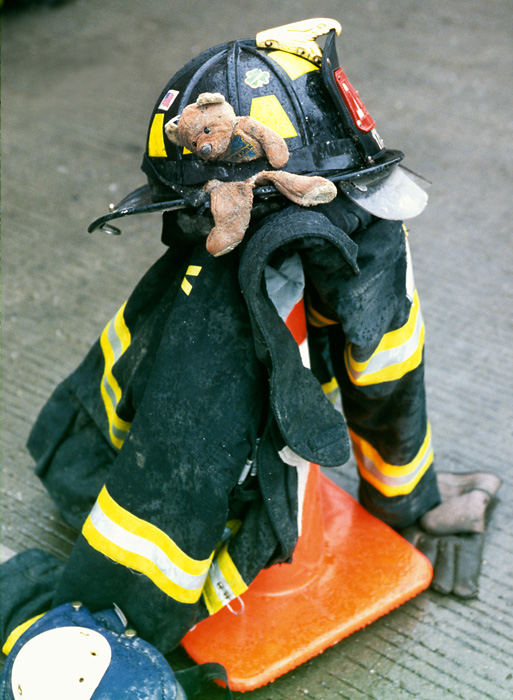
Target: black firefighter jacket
<point>197,380</point>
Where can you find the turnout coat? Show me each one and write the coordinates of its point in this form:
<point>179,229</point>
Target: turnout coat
<point>172,446</point>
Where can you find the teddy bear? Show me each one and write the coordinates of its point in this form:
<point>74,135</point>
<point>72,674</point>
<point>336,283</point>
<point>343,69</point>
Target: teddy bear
<point>210,129</point>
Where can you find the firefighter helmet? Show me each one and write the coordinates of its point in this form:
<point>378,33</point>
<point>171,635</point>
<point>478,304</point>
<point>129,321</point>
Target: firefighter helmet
<point>283,79</point>
<point>72,653</point>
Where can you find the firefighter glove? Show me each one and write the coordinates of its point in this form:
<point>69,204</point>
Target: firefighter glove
<point>451,535</point>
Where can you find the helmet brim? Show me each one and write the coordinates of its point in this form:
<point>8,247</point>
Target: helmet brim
<point>142,200</point>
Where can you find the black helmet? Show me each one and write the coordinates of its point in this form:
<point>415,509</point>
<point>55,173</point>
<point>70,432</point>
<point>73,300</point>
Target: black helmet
<point>282,79</point>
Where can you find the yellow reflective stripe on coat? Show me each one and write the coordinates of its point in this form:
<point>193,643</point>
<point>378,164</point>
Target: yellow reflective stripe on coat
<point>316,319</point>
<point>224,582</point>
<point>331,386</point>
<point>331,390</point>
<point>17,632</point>
<point>391,479</point>
<point>398,353</point>
<point>142,547</point>
<point>114,340</point>
<point>193,271</point>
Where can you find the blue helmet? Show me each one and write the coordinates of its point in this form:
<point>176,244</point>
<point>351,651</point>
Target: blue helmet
<point>70,653</point>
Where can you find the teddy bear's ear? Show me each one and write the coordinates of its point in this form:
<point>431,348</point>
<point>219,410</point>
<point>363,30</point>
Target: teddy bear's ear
<point>209,98</point>
<point>171,129</point>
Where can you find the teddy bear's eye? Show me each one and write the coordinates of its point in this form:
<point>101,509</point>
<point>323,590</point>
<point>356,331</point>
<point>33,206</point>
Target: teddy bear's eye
<point>194,143</point>
<point>206,130</point>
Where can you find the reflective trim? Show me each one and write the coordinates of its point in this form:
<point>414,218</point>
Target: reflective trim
<point>304,351</point>
<point>230,529</point>
<point>156,145</point>
<point>294,66</point>
<point>224,582</point>
<point>17,632</point>
<point>193,271</point>
<point>269,111</point>
<point>114,340</point>
<point>398,353</point>
<point>410,282</point>
<point>331,386</point>
<point>316,319</point>
<point>390,479</point>
<point>142,547</point>
<point>331,390</point>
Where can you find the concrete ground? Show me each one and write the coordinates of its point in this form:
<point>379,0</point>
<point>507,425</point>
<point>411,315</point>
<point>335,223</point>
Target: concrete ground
<point>79,83</point>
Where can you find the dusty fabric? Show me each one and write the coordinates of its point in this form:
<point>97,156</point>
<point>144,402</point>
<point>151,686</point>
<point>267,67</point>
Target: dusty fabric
<point>196,377</point>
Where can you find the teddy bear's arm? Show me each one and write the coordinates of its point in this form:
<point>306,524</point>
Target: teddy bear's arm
<point>274,146</point>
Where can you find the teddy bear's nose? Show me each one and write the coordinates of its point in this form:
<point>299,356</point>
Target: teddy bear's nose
<point>206,149</point>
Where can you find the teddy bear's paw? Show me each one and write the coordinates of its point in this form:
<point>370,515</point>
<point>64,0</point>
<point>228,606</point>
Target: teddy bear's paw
<point>277,152</point>
<point>318,191</point>
<point>230,203</point>
<point>220,242</point>
<point>305,190</point>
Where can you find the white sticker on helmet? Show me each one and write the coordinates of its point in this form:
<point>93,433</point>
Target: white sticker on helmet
<point>168,99</point>
<point>60,664</point>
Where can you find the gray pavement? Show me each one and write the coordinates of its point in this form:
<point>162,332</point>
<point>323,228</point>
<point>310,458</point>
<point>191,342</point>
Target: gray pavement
<point>79,82</point>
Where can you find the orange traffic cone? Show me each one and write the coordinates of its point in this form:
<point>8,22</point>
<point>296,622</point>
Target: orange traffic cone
<point>348,569</point>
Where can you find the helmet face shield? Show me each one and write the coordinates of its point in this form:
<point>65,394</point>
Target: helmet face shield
<point>394,196</point>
